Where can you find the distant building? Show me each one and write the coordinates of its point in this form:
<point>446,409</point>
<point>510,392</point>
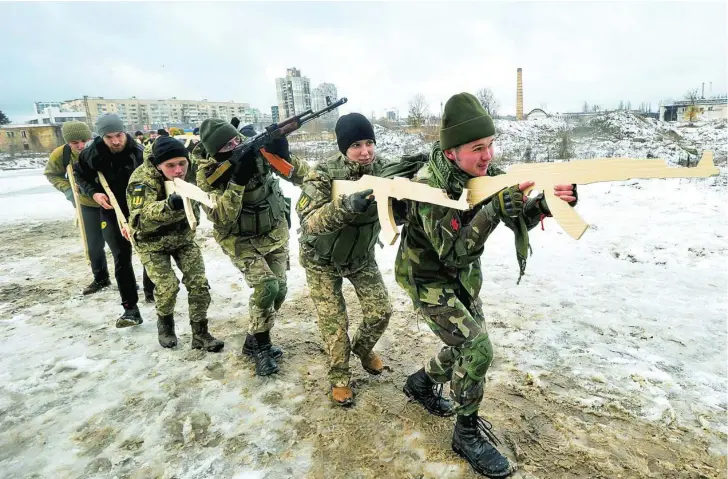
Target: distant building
<point>32,138</point>
<point>536,114</point>
<point>705,109</point>
<point>41,106</point>
<point>319,97</point>
<point>138,114</point>
<point>293,93</point>
<point>274,114</point>
<point>52,115</point>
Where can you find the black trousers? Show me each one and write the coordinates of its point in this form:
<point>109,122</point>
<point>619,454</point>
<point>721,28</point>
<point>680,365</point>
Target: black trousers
<point>95,242</point>
<point>121,250</point>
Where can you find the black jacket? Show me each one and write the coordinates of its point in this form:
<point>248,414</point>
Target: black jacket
<point>116,167</point>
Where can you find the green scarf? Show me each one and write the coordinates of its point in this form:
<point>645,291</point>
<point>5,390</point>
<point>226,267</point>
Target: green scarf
<point>449,177</point>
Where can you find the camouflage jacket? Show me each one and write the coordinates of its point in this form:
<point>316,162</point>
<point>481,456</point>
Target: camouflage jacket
<point>439,256</point>
<point>225,217</point>
<point>326,220</point>
<point>156,227</point>
<point>56,173</point>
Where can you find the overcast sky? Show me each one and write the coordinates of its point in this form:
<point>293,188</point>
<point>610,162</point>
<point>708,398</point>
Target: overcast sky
<point>377,54</point>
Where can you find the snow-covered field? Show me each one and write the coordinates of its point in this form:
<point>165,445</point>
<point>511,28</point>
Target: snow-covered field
<point>610,354</point>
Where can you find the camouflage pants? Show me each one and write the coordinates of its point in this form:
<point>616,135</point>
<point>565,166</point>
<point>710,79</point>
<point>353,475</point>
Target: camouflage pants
<point>266,274</point>
<point>189,261</point>
<point>333,321</point>
<point>467,353</point>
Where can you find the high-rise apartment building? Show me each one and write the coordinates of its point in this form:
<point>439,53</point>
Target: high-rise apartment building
<point>293,93</point>
<point>318,101</point>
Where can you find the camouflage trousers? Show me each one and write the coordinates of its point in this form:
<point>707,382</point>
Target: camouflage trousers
<point>266,274</point>
<point>189,261</point>
<point>467,354</point>
<point>333,322</point>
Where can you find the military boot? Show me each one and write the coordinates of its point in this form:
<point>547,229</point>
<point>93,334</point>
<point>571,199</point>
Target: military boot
<point>474,440</point>
<point>343,396</point>
<point>372,363</point>
<point>202,339</point>
<point>265,365</point>
<point>419,387</point>
<point>250,345</point>
<point>131,317</point>
<point>96,286</point>
<point>165,331</point>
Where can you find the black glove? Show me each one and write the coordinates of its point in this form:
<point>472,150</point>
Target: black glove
<point>509,202</point>
<point>544,207</point>
<point>175,202</point>
<point>279,147</point>
<point>359,202</point>
<point>246,168</point>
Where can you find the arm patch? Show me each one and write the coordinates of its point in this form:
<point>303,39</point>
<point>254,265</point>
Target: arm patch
<point>137,195</point>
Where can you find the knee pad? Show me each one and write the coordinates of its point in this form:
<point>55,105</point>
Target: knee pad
<point>265,294</point>
<point>478,356</point>
<point>281,295</point>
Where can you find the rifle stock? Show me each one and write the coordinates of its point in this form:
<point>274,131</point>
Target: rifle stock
<point>582,172</point>
<point>79,215</point>
<point>188,192</point>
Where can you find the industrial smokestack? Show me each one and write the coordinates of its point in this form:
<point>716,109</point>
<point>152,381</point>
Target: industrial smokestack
<point>702,93</point>
<point>519,95</point>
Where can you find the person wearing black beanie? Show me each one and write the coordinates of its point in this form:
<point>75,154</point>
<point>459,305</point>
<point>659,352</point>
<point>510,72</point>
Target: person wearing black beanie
<point>338,236</point>
<point>162,132</point>
<point>161,232</point>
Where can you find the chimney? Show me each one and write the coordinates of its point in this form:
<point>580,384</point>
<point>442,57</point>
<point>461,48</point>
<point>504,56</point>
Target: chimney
<point>702,93</point>
<point>519,95</point>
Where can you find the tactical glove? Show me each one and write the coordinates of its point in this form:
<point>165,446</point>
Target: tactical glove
<point>544,207</point>
<point>175,202</point>
<point>359,202</point>
<point>245,169</point>
<point>279,147</point>
<point>509,202</point>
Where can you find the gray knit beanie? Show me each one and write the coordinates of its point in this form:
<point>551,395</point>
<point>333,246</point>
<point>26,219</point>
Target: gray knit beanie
<point>109,123</point>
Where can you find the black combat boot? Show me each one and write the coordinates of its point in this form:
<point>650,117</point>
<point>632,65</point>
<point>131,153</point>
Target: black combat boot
<point>474,440</point>
<point>265,364</point>
<point>131,317</point>
<point>202,339</point>
<point>165,331</point>
<point>97,285</point>
<point>250,345</point>
<point>419,387</point>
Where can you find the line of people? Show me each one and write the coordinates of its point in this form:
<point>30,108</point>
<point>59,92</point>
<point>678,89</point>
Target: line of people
<point>438,262</point>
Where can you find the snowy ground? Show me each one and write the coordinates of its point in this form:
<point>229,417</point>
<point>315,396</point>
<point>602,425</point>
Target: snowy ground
<point>610,357</point>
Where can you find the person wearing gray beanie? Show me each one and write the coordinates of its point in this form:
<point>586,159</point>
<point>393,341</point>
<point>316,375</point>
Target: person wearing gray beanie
<point>109,123</point>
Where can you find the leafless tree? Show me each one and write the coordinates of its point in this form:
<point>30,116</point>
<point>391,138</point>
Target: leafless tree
<point>585,108</point>
<point>692,111</point>
<point>487,99</point>
<point>418,110</point>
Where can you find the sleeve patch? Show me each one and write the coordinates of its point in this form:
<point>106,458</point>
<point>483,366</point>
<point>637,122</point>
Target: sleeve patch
<point>137,195</point>
<point>303,202</point>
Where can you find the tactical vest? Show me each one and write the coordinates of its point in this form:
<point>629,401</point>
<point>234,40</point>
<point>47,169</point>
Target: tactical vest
<point>263,208</point>
<point>354,243</point>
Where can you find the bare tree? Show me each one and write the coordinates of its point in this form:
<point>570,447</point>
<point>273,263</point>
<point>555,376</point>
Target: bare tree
<point>487,99</point>
<point>418,110</point>
<point>595,108</point>
<point>692,110</point>
<point>585,108</point>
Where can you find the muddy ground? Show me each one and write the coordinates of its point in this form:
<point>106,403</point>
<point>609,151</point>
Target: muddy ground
<point>133,410</point>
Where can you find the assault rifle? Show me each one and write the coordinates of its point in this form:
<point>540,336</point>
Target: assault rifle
<point>272,132</point>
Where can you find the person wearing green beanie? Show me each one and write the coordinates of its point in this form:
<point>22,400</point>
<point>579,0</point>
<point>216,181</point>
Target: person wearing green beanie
<point>75,135</point>
<point>438,264</point>
<point>251,223</point>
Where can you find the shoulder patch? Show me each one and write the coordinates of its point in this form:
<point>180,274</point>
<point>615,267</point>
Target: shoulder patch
<point>303,202</point>
<point>137,195</point>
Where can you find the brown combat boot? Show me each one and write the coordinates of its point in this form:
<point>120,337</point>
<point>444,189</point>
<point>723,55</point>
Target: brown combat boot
<point>343,396</point>
<point>372,363</point>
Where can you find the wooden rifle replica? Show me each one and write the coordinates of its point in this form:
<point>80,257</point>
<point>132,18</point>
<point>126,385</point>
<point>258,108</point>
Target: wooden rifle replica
<point>79,216</point>
<point>544,175</point>
<point>188,192</point>
<point>120,218</point>
<point>272,132</point>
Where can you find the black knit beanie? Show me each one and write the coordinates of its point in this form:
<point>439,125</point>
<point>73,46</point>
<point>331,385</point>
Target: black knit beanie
<point>352,128</point>
<point>162,132</point>
<point>166,148</point>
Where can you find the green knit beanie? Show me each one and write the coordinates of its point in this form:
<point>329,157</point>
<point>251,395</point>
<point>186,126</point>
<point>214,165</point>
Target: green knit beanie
<point>75,131</point>
<point>464,120</point>
<point>214,133</point>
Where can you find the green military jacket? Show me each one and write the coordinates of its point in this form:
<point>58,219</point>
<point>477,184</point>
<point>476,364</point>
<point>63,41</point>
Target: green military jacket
<point>333,237</point>
<point>155,226</point>
<point>234,219</point>
<point>58,177</point>
<point>439,257</point>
